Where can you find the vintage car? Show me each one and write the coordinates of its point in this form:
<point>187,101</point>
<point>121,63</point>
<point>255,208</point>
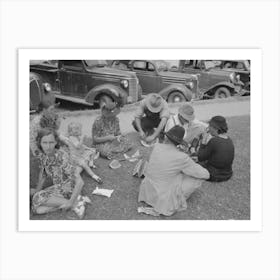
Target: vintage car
<point>212,82</point>
<point>39,92</point>
<point>154,76</point>
<point>239,67</point>
<point>87,81</point>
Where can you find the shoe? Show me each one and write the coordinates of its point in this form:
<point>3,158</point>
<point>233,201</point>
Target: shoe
<point>79,207</point>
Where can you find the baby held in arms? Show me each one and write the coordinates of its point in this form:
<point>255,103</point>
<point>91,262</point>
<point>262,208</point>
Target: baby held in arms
<point>81,155</point>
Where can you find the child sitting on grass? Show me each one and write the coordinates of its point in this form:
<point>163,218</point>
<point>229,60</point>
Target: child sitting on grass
<point>81,155</point>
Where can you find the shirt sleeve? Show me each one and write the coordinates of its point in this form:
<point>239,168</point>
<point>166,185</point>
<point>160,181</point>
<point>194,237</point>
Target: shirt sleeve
<point>193,169</point>
<point>140,110</point>
<point>205,151</point>
<point>165,111</point>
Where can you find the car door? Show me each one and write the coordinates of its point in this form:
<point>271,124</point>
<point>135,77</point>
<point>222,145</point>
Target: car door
<point>147,75</point>
<point>73,78</point>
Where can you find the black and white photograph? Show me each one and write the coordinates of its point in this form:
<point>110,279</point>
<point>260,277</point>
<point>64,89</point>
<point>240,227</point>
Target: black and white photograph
<point>140,139</point>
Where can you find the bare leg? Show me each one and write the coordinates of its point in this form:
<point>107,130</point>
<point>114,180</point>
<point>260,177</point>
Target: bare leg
<point>90,172</point>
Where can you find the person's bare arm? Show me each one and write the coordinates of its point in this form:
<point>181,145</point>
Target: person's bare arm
<point>157,130</point>
<point>138,125</point>
<point>103,139</point>
<point>79,183</point>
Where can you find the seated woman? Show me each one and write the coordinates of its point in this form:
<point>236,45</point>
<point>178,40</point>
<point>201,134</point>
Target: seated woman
<point>171,176</point>
<point>46,118</point>
<point>217,154</point>
<point>67,183</point>
<point>106,134</point>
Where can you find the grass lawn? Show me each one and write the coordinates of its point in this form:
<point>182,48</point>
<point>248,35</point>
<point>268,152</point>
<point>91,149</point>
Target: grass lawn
<point>213,201</point>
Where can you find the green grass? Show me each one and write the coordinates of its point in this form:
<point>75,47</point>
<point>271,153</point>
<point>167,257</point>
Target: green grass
<point>213,201</point>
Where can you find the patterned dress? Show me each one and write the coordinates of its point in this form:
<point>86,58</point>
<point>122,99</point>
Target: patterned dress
<point>33,133</point>
<point>62,173</point>
<point>104,127</point>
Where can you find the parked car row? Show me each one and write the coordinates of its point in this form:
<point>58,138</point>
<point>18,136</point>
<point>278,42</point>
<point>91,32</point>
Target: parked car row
<point>125,81</point>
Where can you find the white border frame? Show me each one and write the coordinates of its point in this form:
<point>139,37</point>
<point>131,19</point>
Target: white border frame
<point>254,224</point>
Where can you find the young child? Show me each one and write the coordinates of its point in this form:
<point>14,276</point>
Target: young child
<point>80,154</point>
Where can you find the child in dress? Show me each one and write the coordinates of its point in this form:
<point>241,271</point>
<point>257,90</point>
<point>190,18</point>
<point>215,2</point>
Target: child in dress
<point>81,155</point>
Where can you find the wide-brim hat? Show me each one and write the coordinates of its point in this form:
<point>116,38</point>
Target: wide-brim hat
<point>176,134</point>
<point>219,123</point>
<point>154,102</point>
<point>187,112</point>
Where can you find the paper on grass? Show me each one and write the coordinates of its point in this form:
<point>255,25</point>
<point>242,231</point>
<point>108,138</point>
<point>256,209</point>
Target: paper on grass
<point>104,192</point>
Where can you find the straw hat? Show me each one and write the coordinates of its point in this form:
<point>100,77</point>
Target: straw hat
<point>154,102</point>
<point>187,112</point>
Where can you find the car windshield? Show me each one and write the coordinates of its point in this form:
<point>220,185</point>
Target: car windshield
<point>96,63</point>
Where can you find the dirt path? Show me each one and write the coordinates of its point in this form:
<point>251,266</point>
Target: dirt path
<point>203,111</point>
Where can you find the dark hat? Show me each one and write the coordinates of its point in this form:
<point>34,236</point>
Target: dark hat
<point>176,134</point>
<point>219,123</point>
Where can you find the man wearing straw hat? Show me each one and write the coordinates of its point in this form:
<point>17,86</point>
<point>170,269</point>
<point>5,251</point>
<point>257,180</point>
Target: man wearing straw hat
<point>151,117</point>
<point>186,119</point>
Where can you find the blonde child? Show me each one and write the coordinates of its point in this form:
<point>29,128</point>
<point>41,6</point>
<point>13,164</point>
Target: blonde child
<point>81,155</point>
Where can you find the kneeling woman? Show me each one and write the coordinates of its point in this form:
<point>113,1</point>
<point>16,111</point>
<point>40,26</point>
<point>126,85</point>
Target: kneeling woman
<point>217,155</point>
<point>68,184</point>
<point>171,176</point>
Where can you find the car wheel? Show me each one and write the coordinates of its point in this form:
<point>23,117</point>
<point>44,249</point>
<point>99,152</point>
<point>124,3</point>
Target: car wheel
<point>175,97</point>
<point>222,92</point>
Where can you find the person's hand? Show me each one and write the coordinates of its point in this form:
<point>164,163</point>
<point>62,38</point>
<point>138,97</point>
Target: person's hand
<point>67,205</point>
<point>119,138</point>
<point>142,135</point>
<point>205,137</point>
<point>150,138</point>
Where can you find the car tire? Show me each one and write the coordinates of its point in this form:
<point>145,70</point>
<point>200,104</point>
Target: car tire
<point>176,97</point>
<point>222,92</point>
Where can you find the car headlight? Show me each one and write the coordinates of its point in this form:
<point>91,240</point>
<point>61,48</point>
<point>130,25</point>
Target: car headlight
<point>232,77</point>
<point>190,85</point>
<point>238,78</point>
<point>47,87</point>
<point>124,83</point>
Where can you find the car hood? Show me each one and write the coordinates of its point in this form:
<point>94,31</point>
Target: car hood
<point>112,72</point>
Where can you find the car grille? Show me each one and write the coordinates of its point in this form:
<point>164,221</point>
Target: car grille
<point>133,91</point>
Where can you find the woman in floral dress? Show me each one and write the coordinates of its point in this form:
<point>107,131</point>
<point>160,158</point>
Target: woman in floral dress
<point>67,183</point>
<point>106,134</point>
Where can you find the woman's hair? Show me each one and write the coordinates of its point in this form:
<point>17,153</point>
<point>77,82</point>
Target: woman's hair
<point>219,123</point>
<point>72,126</point>
<point>49,119</point>
<point>45,132</point>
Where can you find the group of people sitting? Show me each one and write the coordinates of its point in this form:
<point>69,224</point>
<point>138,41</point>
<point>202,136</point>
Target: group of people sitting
<point>187,152</point>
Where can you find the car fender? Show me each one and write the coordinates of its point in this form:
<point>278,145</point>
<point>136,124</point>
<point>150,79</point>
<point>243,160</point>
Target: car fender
<point>176,87</point>
<point>221,84</point>
<point>115,92</point>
